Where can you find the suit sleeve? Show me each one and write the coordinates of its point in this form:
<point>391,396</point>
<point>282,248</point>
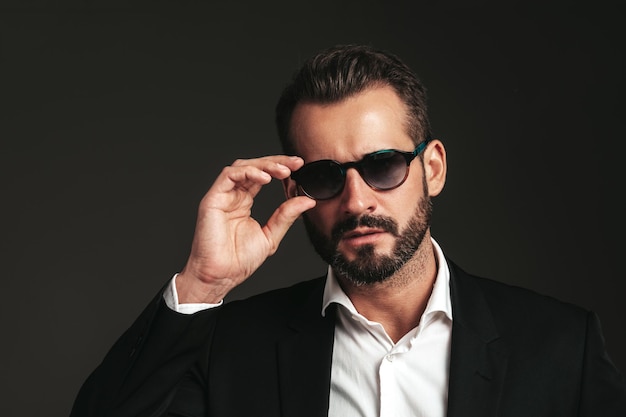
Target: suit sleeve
<point>603,391</point>
<point>141,373</point>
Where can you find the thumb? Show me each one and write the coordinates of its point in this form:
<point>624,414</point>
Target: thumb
<point>283,218</point>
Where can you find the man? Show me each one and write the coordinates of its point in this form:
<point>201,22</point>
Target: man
<point>394,329</point>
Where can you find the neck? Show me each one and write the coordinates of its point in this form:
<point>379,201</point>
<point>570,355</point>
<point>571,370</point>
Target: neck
<point>398,302</point>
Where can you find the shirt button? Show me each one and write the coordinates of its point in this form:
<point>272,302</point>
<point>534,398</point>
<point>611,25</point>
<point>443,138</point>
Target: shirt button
<point>389,358</point>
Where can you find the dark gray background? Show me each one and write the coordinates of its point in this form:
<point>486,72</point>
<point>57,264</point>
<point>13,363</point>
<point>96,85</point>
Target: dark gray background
<point>116,116</point>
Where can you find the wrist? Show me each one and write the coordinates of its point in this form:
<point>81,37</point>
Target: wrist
<point>192,290</point>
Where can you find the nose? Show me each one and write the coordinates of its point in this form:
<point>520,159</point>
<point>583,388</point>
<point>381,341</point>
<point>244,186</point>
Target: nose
<point>357,197</point>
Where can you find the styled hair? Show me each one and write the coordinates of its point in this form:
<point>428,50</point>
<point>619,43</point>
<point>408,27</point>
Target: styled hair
<point>342,71</point>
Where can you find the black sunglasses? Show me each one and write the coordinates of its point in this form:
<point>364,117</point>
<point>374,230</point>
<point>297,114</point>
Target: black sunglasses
<point>381,170</point>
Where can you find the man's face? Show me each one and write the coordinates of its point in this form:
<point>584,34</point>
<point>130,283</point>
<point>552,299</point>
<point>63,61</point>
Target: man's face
<point>364,234</point>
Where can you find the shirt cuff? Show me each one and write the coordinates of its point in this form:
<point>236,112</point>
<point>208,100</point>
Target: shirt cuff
<point>171,300</point>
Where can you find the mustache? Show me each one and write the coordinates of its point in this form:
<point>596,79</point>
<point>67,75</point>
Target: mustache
<point>379,222</point>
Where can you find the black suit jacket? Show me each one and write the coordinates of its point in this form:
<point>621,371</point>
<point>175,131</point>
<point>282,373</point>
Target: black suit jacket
<point>513,353</point>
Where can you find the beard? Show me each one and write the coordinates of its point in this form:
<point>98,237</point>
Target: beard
<point>369,267</point>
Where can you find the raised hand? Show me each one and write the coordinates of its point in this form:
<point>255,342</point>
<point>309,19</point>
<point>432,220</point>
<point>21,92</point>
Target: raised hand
<point>229,245</point>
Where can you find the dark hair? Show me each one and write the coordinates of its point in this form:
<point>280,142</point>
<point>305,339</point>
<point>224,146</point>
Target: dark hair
<point>345,70</point>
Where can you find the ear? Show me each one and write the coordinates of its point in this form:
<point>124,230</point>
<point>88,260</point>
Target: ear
<point>435,167</point>
<point>290,188</point>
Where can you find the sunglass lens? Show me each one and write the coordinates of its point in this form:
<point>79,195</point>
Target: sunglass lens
<point>385,170</point>
<point>321,180</point>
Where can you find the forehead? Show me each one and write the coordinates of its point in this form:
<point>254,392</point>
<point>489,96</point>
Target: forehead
<point>346,130</point>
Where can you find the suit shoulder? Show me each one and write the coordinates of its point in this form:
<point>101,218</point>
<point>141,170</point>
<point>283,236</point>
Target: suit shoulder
<point>514,297</point>
<point>281,300</point>
<point>520,311</point>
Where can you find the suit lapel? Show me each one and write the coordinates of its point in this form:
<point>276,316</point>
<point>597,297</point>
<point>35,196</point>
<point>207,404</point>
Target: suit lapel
<point>478,357</point>
<point>304,361</point>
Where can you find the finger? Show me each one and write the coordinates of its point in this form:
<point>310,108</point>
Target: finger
<point>243,176</point>
<point>278,166</point>
<point>240,182</point>
<point>251,174</point>
<point>283,218</point>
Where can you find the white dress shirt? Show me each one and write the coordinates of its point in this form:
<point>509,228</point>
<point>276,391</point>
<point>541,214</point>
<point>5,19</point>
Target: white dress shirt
<point>372,376</point>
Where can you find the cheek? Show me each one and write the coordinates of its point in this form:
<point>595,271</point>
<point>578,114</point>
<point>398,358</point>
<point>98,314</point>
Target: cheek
<point>322,217</point>
<point>402,202</point>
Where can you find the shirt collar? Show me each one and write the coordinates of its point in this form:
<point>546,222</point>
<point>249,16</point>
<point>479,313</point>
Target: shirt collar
<point>439,299</point>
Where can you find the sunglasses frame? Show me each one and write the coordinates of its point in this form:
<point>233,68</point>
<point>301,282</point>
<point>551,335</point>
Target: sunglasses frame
<point>343,168</point>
